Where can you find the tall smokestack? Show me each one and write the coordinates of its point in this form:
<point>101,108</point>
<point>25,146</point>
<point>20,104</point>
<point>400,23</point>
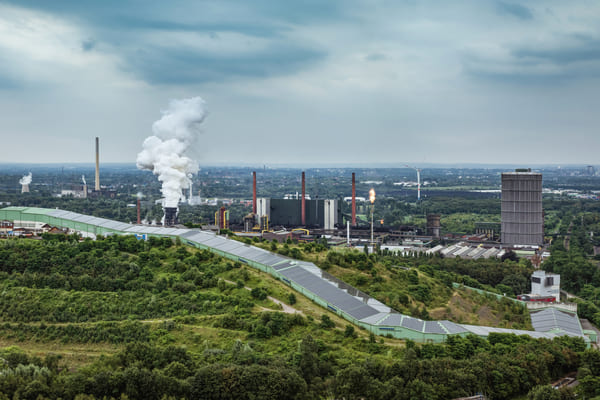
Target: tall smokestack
<point>139,205</point>
<point>97,187</point>
<point>353,200</point>
<point>303,200</point>
<point>254,192</point>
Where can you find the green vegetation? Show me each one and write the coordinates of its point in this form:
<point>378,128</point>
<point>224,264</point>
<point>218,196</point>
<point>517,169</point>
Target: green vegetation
<point>183,325</point>
<point>577,266</point>
<point>121,318</point>
<point>421,286</point>
<point>502,367</point>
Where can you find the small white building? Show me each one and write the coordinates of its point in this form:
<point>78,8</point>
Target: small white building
<point>545,284</point>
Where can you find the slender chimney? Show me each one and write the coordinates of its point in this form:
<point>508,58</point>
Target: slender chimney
<point>97,187</point>
<point>254,192</point>
<point>303,201</point>
<point>353,200</point>
<point>139,220</point>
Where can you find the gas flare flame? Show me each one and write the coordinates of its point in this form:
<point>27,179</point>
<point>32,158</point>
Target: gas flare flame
<point>372,195</point>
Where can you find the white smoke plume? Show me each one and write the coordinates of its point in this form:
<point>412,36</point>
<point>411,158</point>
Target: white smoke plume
<point>164,152</point>
<point>83,179</point>
<point>26,180</point>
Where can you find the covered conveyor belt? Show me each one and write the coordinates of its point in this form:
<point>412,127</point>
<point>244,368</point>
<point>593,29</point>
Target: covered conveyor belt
<point>304,277</point>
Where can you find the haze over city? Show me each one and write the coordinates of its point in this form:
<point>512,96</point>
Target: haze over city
<point>319,82</point>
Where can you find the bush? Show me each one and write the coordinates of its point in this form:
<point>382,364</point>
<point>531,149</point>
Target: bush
<point>326,322</point>
<point>259,293</point>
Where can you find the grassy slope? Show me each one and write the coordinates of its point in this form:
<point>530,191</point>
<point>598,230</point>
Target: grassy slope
<point>200,332</point>
<point>458,305</point>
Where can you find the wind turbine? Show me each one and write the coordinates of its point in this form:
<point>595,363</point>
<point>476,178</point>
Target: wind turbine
<point>418,181</point>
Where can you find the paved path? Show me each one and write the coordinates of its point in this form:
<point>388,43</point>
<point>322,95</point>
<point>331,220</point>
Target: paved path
<point>285,308</point>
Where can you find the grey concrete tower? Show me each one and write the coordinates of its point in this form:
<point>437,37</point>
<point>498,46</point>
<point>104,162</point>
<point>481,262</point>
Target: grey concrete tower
<point>521,214</point>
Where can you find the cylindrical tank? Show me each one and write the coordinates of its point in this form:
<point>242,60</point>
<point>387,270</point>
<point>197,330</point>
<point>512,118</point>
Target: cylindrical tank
<point>433,225</point>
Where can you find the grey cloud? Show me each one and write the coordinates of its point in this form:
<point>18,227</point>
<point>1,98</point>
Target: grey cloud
<point>123,26</point>
<point>375,57</point>
<point>184,66</point>
<point>8,83</point>
<point>516,10</point>
<point>88,44</point>
<point>571,57</point>
<point>583,48</point>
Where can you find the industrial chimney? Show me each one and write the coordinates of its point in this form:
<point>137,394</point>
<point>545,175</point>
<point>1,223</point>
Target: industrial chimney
<point>353,200</point>
<point>97,187</point>
<point>303,200</point>
<point>139,206</point>
<point>254,192</point>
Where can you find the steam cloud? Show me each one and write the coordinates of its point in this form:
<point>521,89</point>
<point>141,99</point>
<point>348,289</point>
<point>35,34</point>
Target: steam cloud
<point>26,180</point>
<point>163,153</point>
<point>83,179</point>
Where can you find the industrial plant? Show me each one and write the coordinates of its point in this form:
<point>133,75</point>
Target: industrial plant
<point>304,277</point>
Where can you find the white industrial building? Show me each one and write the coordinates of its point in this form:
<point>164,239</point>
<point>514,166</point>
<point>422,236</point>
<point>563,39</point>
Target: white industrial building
<point>545,284</point>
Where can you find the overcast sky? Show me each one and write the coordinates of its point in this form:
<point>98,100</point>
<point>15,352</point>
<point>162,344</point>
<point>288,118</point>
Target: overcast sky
<point>311,82</point>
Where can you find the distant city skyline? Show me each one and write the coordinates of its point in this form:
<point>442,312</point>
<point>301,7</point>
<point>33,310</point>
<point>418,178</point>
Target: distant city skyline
<point>331,83</point>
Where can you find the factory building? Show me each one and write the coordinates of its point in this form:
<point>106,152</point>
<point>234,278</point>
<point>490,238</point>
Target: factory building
<point>522,220</point>
<point>545,284</point>
<point>325,214</point>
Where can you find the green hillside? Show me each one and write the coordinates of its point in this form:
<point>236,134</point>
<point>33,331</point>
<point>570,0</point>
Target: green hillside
<point>156,319</point>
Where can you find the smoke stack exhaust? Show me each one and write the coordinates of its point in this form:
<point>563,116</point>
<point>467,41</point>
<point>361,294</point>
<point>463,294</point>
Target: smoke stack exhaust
<point>163,153</point>
<point>353,200</point>
<point>303,200</point>
<point>254,192</point>
<point>24,182</point>
<point>84,194</point>
<point>97,187</point>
